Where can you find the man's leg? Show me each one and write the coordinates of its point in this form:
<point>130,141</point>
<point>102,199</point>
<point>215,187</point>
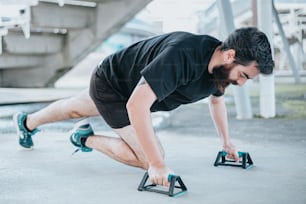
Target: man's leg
<point>77,106</point>
<point>125,149</point>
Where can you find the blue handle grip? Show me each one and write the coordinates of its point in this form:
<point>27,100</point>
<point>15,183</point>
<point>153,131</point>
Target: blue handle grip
<point>170,176</point>
<point>240,154</point>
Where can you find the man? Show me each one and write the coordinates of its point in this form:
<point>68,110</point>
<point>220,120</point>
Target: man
<point>156,74</point>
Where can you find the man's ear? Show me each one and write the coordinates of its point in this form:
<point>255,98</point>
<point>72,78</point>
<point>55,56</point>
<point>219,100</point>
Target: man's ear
<point>229,56</point>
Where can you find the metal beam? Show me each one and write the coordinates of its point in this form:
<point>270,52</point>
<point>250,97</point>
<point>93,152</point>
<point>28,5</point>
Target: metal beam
<point>241,97</point>
<point>286,46</point>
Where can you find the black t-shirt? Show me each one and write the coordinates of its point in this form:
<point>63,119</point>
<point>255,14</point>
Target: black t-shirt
<point>175,65</point>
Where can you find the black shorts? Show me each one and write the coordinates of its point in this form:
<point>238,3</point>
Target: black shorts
<point>109,104</point>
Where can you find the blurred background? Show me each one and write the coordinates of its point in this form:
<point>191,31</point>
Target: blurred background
<point>48,48</point>
<point>56,43</point>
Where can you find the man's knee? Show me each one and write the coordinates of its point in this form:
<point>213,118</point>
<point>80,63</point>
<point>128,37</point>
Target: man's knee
<point>79,106</point>
<point>70,108</point>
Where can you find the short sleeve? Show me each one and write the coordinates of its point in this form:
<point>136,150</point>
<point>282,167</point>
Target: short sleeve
<point>167,72</point>
<point>218,93</point>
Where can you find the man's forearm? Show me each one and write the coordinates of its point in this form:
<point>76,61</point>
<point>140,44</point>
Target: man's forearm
<point>142,124</point>
<point>219,116</point>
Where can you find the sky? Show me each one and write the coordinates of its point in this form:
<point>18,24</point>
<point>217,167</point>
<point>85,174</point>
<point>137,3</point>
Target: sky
<point>177,14</point>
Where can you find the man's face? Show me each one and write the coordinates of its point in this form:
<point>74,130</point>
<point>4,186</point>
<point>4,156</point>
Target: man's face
<point>234,73</point>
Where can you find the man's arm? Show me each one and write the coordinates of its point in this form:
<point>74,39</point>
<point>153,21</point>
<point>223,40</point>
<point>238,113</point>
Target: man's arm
<point>218,114</point>
<point>138,108</point>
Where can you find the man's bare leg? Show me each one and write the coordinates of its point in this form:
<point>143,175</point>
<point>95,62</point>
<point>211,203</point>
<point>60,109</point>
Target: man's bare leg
<point>77,106</point>
<point>124,149</point>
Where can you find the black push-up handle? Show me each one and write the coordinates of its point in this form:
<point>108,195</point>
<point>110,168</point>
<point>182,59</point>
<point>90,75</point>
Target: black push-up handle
<point>245,162</point>
<point>173,179</point>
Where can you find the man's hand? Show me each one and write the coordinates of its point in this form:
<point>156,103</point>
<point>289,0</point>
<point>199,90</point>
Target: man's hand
<point>232,152</point>
<point>158,174</point>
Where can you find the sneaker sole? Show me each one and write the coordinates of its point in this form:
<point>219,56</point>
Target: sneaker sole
<point>79,124</point>
<point>18,132</point>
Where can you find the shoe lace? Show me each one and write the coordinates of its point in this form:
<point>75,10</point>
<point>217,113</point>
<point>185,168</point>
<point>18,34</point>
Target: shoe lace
<point>79,148</point>
<point>33,132</point>
<point>75,151</point>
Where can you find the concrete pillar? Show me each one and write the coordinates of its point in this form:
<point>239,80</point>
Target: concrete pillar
<point>0,44</point>
<point>61,2</point>
<point>254,13</point>
<point>241,97</point>
<point>3,32</point>
<point>267,89</point>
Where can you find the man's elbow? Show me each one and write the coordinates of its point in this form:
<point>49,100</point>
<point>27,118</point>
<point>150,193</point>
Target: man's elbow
<point>214,100</point>
<point>130,105</point>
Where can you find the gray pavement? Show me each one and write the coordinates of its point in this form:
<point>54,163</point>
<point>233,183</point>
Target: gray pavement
<point>49,174</point>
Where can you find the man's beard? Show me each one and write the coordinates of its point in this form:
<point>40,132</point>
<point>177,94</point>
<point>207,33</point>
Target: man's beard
<point>220,76</point>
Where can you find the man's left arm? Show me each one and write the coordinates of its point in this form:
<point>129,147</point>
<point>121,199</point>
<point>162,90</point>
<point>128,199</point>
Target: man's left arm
<point>218,114</point>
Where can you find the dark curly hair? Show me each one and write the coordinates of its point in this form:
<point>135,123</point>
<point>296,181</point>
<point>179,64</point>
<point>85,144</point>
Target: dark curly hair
<point>250,44</point>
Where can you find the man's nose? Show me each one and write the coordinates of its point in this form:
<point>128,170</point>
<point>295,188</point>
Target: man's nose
<point>241,81</point>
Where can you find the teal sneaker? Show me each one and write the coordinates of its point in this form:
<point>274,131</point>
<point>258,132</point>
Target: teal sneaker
<point>25,136</point>
<point>81,131</point>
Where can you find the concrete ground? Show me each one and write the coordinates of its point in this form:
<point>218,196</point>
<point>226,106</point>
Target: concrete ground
<point>49,174</point>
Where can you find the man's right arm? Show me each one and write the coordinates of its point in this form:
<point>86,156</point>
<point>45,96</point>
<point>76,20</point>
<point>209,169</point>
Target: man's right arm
<point>138,107</point>
<point>218,114</point>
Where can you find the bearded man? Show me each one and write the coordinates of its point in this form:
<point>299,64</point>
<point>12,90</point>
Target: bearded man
<point>156,74</point>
